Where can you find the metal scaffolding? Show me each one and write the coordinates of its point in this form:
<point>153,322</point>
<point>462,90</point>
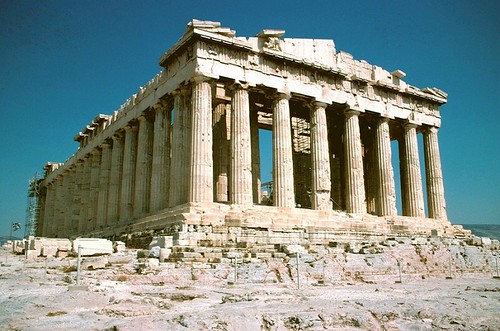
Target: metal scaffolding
<point>33,205</point>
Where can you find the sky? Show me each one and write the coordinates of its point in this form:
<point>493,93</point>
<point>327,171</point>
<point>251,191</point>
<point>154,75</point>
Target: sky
<point>64,62</point>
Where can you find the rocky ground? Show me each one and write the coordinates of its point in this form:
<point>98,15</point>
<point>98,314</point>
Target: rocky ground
<point>330,293</point>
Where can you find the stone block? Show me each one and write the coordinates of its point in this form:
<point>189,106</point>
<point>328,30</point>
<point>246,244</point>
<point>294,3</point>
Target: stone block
<point>92,246</point>
<point>119,246</point>
<point>495,244</point>
<point>262,255</point>
<point>94,262</point>
<point>164,254</point>
<point>485,241</point>
<point>294,249</point>
<point>49,251</point>
<point>31,254</point>
<point>61,254</point>
<point>162,242</point>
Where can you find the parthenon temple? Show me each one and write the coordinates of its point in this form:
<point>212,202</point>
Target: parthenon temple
<point>183,156</point>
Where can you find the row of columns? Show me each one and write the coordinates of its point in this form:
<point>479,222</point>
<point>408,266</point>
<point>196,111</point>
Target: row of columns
<point>152,164</point>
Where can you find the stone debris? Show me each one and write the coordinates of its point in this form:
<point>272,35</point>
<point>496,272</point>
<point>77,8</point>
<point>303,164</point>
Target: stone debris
<point>92,246</point>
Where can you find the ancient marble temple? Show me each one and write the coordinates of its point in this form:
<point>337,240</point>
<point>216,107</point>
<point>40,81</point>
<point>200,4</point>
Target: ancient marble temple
<point>182,155</point>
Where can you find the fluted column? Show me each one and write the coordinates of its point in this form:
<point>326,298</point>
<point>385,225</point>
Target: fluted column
<point>104,180</point>
<point>355,188</point>
<point>128,173</point>
<point>413,199</point>
<point>386,189</point>
<point>434,175</point>
<point>320,159</point>
<point>143,167</point>
<point>241,152</point>
<point>115,179</point>
<point>85,186</point>
<point>49,210</point>
<point>160,170</point>
<point>179,171</point>
<point>77,196</point>
<point>58,224</point>
<point>222,125</point>
<point>201,164</point>
<point>254,133</point>
<point>94,187</point>
<point>283,187</point>
<point>69,194</point>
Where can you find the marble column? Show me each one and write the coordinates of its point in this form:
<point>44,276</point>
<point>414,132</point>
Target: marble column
<point>104,181</point>
<point>283,186</point>
<point>201,160</point>
<point>413,199</point>
<point>69,184</point>
<point>60,207</point>
<point>355,187</point>
<point>386,188</point>
<point>85,186</point>
<point>160,170</point>
<point>434,175</point>
<point>77,196</point>
<point>128,173</point>
<point>320,159</point>
<point>221,151</point>
<point>179,173</point>
<point>115,179</point>
<point>254,133</point>
<point>49,210</point>
<point>143,167</point>
<point>241,152</point>
<point>94,187</point>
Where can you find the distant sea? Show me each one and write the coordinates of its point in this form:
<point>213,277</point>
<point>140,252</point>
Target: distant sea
<point>484,230</point>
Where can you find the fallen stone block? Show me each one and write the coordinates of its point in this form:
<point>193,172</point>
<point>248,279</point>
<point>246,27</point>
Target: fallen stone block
<point>162,242</point>
<point>94,262</point>
<point>119,246</point>
<point>164,254</point>
<point>485,241</point>
<point>31,255</point>
<point>49,251</point>
<point>294,249</point>
<point>92,246</point>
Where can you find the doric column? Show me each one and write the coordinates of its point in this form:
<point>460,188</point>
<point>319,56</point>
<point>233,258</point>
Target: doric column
<point>49,210</point>
<point>143,167</point>
<point>128,173</point>
<point>69,184</point>
<point>104,180</point>
<point>115,179</point>
<point>413,199</point>
<point>181,138</point>
<point>160,170</point>
<point>434,175</point>
<point>58,224</point>
<point>241,152</point>
<point>85,186</point>
<point>320,159</point>
<point>254,133</point>
<point>77,197</point>
<point>355,187</point>
<point>201,164</point>
<point>94,187</point>
<point>386,189</point>
<point>283,186</point>
<point>222,125</point>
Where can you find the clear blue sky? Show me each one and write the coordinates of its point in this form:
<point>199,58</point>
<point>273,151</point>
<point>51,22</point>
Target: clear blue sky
<point>64,62</point>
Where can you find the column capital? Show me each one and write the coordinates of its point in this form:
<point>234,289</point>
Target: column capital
<point>280,95</point>
<point>410,124</point>
<point>240,85</point>
<point>200,79</point>
<point>349,112</point>
<point>431,129</point>
<point>117,135</point>
<point>317,104</point>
